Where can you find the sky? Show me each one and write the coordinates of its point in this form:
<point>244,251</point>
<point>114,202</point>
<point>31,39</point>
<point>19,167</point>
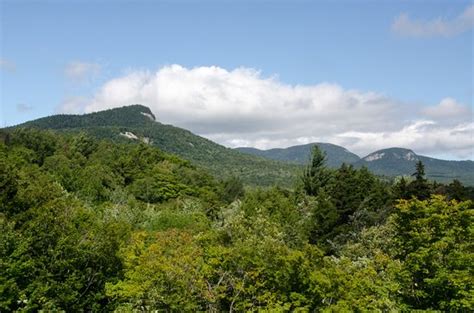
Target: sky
<point>366,75</point>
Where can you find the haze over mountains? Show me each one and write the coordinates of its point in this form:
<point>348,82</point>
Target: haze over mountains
<point>253,166</point>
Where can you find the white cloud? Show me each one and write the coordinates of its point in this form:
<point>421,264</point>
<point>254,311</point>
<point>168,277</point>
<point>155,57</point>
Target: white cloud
<point>7,65</point>
<point>448,108</point>
<point>81,71</point>
<point>423,136</point>
<point>405,26</point>
<point>242,108</point>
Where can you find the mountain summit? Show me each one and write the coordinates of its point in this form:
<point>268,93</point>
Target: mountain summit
<point>301,154</point>
<point>392,154</point>
<point>401,161</point>
<point>132,115</point>
<point>136,123</point>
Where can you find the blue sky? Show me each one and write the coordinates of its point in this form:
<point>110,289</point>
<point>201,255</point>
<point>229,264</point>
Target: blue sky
<point>54,52</point>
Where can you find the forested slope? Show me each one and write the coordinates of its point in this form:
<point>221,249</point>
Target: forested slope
<point>390,162</point>
<point>90,225</point>
<point>138,122</point>
<point>399,162</point>
<point>336,155</point>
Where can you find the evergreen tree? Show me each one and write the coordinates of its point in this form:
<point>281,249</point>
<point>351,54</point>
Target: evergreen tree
<point>316,175</point>
<point>400,189</point>
<point>457,191</point>
<point>419,188</point>
<point>420,171</point>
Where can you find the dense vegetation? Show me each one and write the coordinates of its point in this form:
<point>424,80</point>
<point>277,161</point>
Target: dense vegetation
<point>138,120</point>
<point>254,167</point>
<point>93,225</point>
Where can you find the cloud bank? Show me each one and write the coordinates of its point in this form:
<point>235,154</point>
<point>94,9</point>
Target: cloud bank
<point>405,26</point>
<point>242,108</point>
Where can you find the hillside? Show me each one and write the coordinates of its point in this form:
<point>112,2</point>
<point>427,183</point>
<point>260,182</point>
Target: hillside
<point>336,155</point>
<point>389,162</point>
<point>400,161</point>
<point>137,123</point>
<point>90,225</point>
<point>253,166</point>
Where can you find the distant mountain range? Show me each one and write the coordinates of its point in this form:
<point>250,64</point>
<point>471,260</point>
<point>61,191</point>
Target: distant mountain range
<point>336,155</point>
<point>137,123</point>
<point>400,161</point>
<point>387,162</point>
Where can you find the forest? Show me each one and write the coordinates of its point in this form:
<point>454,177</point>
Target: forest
<point>90,224</point>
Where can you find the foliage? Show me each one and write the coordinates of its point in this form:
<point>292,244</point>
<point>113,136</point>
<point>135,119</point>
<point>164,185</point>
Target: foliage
<point>434,238</point>
<point>419,188</point>
<point>95,225</point>
<point>222,162</point>
<point>163,271</point>
<point>316,176</point>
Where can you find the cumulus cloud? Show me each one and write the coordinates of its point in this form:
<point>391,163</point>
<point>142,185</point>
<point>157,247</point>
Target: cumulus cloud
<point>7,65</point>
<point>449,110</point>
<point>423,136</point>
<point>406,26</point>
<point>242,108</point>
<point>81,71</point>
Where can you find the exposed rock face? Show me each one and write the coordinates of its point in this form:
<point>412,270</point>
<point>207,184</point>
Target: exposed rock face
<point>129,135</point>
<point>151,117</point>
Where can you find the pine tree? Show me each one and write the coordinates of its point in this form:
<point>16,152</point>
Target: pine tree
<point>419,188</point>
<point>316,175</point>
<point>400,189</point>
<point>420,171</point>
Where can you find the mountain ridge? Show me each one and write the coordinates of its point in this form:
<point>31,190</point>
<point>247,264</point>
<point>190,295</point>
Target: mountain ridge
<point>255,167</point>
<point>131,123</point>
<point>300,154</point>
<point>390,162</point>
<point>397,161</point>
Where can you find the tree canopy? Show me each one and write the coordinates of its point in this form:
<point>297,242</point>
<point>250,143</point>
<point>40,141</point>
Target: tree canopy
<point>95,225</point>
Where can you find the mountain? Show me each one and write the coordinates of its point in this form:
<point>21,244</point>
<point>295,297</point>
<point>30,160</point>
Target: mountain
<point>400,161</point>
<point>136,123</point>
<point>336,155</point>
<point>389,162</point>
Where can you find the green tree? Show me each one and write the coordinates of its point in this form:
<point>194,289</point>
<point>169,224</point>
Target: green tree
<point>232,189</point>
<point>455,190</point>
<point>163,271</point>
<point>434,241</point>
<point>83,144</point>
<point>43,143</point>
<point>316,176</point>
<point>400,189</point>
<point>354,199</point>
<point>323,220</point>
<point>60,258</point>
<point>419,188</point>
